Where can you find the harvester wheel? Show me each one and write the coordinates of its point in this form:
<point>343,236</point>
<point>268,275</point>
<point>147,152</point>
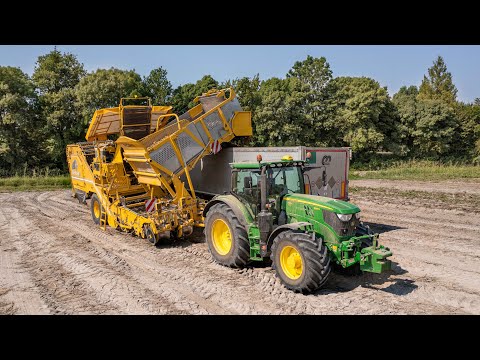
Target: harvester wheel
<point>227,239</point>
<point>149,234</point>
<point>96,209</point>
<point>301,263</point>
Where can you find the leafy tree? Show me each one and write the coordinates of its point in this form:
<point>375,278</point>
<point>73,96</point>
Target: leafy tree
<point>438,84</point>
<point>362,115</point>
<point>19,129</point>
<point>435,128</point>
<point>315,73</point>
<point>104,88</point>
<point>247,90</point>
<point>182,96</point>
<point>405,100</point>
<point>55,77</point>
<point>468,133</point>
<point>280,119</point>
<point>157,86</point>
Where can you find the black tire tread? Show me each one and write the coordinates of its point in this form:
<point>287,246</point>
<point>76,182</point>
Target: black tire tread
<point>241,254</point>
<point>316,257</point>
<point>95,198</point>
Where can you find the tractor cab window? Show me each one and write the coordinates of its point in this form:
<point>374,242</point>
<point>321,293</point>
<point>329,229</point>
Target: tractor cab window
<point>280,181</point>
<point>246,185</point>
<point>284,180</point>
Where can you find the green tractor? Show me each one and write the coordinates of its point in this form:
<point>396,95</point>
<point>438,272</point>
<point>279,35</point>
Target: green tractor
<point>267,216</point>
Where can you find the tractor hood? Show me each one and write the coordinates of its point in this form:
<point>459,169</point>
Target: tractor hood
<point>336,206</point>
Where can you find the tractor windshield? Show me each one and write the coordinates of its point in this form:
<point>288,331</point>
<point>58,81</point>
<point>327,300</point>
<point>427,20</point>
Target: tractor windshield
<point>280,181</point>
<point>283,180</point>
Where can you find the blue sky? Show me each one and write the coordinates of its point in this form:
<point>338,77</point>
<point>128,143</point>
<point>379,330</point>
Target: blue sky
<point>392,66</point>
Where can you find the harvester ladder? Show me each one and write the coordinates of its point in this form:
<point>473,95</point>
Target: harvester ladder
<point>103,220</point>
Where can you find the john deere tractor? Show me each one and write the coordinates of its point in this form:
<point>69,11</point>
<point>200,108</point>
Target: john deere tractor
<point>267,216</point>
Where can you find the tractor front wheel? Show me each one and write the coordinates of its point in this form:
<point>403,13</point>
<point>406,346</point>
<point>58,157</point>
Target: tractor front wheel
<point>227,239</point>
<point>301,262</point>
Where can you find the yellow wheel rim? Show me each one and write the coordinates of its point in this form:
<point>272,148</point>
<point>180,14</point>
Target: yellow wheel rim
<point>291,262</point>
<point>221,237</point>
<point>96,209</point>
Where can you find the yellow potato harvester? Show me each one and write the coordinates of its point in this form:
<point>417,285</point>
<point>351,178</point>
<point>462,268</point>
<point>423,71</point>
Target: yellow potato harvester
<point>134,181</point>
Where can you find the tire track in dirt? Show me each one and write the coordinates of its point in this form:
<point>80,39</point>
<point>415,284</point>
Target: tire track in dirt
<point>97,271</point>
<point>439,247</point>
<point>18,293</point>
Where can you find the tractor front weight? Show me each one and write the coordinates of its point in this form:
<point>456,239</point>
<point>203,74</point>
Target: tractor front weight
<point>352,251</point>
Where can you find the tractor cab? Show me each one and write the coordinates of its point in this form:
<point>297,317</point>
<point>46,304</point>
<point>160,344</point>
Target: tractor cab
<point>282,177</point>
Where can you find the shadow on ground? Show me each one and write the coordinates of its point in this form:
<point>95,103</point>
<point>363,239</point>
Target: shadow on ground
<point>342,283</point>
<point>383,228</point>
<point>338,281</point>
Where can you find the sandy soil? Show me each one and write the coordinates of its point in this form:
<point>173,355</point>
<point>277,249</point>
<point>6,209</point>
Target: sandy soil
<point>54,260</point>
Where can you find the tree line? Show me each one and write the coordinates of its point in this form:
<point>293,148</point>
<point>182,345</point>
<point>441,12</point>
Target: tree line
<point>41,114</point>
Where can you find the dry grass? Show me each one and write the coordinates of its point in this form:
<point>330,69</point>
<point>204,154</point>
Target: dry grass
<point>420,170</point>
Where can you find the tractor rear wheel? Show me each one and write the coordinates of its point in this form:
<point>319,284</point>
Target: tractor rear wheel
<point>227,239</point>
<point>96,209</point>
<point>301,263</point>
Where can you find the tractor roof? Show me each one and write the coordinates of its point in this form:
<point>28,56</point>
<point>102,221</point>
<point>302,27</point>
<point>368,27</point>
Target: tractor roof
<point>256,165</point>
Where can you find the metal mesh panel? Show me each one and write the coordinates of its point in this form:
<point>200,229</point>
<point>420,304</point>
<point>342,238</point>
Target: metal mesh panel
<point>161,134</point>
<point>136,116</point>
<point>229,109</point>
<point>198,132</point>
<point>215,125</point>
<point>188,147</point>
<point>166,157</point>
<point>136,132</point>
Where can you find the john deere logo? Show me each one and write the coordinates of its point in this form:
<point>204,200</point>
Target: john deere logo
<point>308,211</point>
<point>326,160</point>
<point>74,165</point>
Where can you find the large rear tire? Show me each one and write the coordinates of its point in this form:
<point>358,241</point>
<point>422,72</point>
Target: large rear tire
<point>96,209</point>
<point>301,263</point>
<point>227,239</point>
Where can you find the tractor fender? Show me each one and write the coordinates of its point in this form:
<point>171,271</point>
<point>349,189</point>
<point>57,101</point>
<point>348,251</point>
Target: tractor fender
<point>281,228</point>
<point>237,207</point>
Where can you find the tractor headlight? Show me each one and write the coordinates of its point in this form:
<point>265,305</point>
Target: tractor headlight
<point>357,215</point>
<point>344,217</point>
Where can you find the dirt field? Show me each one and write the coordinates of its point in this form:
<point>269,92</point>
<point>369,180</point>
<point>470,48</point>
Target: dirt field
<point>54,260</point>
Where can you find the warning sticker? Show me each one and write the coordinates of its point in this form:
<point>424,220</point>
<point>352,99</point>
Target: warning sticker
<point>331,182</point>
